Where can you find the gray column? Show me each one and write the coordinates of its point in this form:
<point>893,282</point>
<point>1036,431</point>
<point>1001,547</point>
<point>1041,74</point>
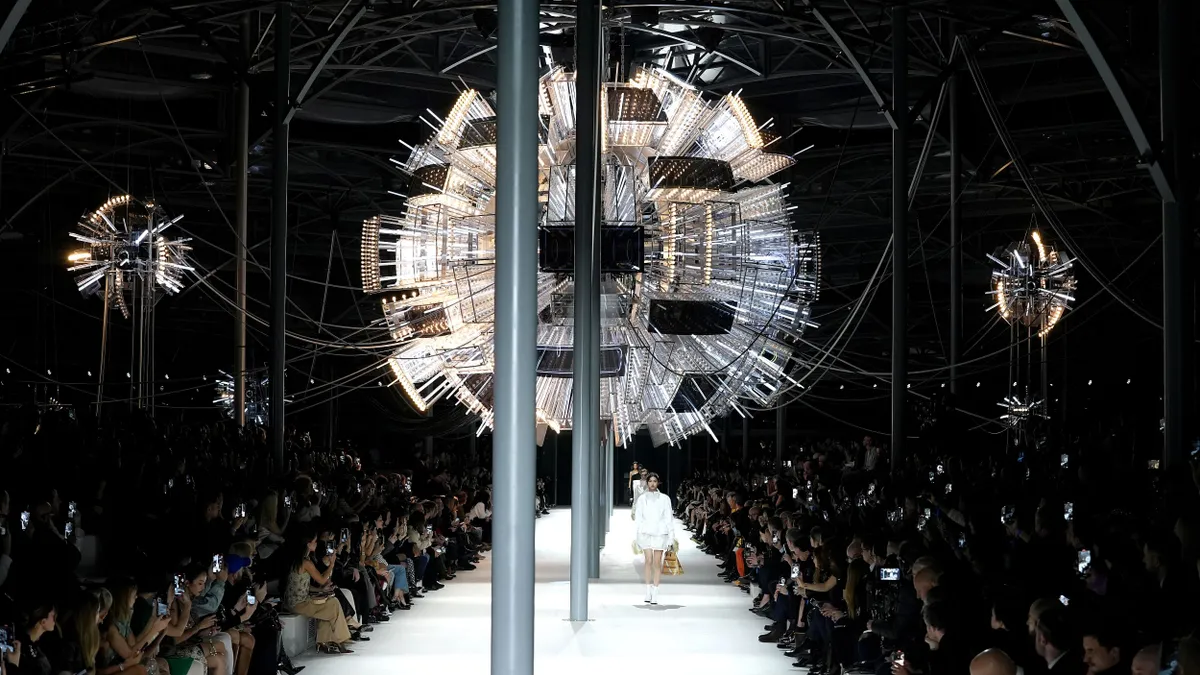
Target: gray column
<point>612,472</point>
<point>514,461</point>
<point>241,154</point>
<point>899,229</point>
<point>584,404</point>
<point>780,424</point>
<point>1178,327</point>
<point>956,293</point>
<point>596,511</point>
<point>279,216</point>
<point>745,440</point>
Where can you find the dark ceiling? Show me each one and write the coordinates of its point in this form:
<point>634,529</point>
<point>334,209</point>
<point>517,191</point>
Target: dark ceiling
<point>112,96</point>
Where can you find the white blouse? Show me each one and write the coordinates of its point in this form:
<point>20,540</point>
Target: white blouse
<point>478,512</point>
<point>653,514</point>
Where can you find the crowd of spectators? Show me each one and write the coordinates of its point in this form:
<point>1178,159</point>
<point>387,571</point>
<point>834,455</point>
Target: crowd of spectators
<point>955,563</point>
<point>147,548</point>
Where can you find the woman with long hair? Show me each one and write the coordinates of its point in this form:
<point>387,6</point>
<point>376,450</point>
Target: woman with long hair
<point>332,631</point>
<point>81,636</point>
<point>131,653</point>
<point>655,526</point>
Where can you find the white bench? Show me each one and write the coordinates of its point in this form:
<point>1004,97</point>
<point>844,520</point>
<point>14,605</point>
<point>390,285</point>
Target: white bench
<point>299,634</point>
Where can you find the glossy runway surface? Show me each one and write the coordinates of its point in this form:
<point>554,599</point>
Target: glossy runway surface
<point>701,624</point>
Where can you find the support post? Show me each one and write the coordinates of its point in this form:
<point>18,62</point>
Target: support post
<point>596,511</point>
<point>279,216</point>
<point>241,155</point>
<point>103,348</point>
<point>585,403</point>
<point>745,441</point>
<point>1178,326</point>
<point>956,294</point>
<point>1112,82</point>
<point>514,463</point>
<point>899,229</point>
<point>780,423</point>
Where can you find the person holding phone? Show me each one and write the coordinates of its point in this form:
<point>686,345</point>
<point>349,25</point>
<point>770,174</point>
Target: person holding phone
<point>333,634</point>
<point>136,653</point>
<point>205,595</point>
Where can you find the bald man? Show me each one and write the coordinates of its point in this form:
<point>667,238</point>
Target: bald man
<point>1146,661</point>
<point>925,581</point>
<point>993,662</point>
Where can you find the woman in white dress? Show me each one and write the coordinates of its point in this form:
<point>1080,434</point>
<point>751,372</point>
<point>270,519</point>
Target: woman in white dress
<point>655,526</point>
<point>639,485</point>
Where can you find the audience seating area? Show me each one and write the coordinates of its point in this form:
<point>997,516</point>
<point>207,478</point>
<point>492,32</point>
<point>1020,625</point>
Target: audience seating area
<point>952,563</point>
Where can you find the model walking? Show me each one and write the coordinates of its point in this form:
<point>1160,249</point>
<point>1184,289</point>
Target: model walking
<point>635,474</point>
<point>655,527</point>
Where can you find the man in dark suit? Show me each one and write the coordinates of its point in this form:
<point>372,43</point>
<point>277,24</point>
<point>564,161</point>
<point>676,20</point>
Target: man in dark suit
<point>1057,641</point>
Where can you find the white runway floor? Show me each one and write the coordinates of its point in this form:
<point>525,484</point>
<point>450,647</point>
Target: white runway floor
<point>701,625</point>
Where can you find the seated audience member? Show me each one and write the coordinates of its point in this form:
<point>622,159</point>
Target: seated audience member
<point>203,599</point>
<point>1146,660</point>
<point>131,651</point>
<point>1102,651</point>
<point>993,662</point>
<point>34,634</point>
<point>1057,642</point>
<point>309,593</point>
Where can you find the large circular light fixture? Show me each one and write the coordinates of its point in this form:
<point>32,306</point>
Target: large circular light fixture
<point>1032,284</point>
<point>126,250</point>
<point>706,284</point>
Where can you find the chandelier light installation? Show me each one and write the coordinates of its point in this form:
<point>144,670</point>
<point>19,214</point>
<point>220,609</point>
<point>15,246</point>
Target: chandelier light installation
<point>258,404</point>
<point>1033,285</point>
<point>705,282</point>
<point>130,264</point>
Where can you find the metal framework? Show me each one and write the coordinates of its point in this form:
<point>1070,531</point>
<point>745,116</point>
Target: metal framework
<point>818,66</point>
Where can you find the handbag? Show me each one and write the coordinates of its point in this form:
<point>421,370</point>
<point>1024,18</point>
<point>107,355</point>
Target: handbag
<point>637,550</point>
<point>671,566</point>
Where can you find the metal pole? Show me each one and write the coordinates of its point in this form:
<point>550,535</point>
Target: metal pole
<point>780,421</point>
<point>596,510</point>
<point>513,461</point>
<point>745,441</point>
<point>612,472</point>
<point>1177,232</point>
<point>279,216</point>
<point>899,229</point>
<point>103,347</point>
<point>608,478</point>
<point>583,415</point>
<point>955,221</point>
<point>241,150</point>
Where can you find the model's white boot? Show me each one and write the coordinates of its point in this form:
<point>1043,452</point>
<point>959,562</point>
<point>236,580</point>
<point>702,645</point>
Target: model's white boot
<point>654,595</point>
<point>649,593</point>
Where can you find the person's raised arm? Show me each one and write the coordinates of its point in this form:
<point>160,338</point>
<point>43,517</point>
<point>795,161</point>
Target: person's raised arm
<point>319,578</point>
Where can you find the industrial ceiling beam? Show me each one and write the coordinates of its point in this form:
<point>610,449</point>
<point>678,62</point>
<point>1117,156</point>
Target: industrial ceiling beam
<point>11,21</point>
<point>315,71</point>
<point>847,53</point>
<point>1115,87</point>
